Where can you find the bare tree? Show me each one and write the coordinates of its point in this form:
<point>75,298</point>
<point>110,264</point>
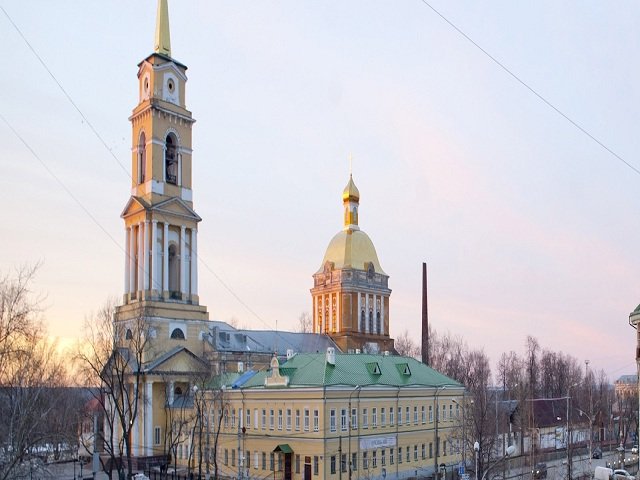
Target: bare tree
<point>405,345</point>
<point>305,323</point>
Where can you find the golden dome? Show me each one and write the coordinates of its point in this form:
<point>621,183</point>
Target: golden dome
<point>351,249</point>
<point>351,192</point>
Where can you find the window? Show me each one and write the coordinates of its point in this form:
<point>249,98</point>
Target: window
<point>383,417</point>
<point>383,457</point>
<point>315,465</point>
<point>271,419</point>
<point>444,413</point>
<point>424,451</point>
<point>177,334</point>
<point>343,420</point>
<point>280,462</point>
<point>297,420</point>
<point>233,457</point>
<point>430,450</point>
<point>333,465</point>
<point>142,158</point>
<point>343,462</point>
<point>378,324</point>
<point>264,461</point>
<point>399,415</point>
<point>171,159</point>
<point>391,419</point>
<point>226,418</point>
<point>365,460</point>
<point>391,456</point>
<point>332,420</point>
<point>316,421</point>
<point>255,460</point>
<point>306,419</point>
<point>156,436</point>
<point>354,418</point>
<point>128,335</point>
<point>374,459</point>
<point>362,321</point>
<point>354,461</point>
<point>365,418</point>
<point>272,461</point>
<point>288,419</point>
<point>408,453</point>
<point>399,454</point>
<point>424,414</point>
<point>248,422</point>
<point>415,415</point>
<point>407,417</point>
<point>415,453</point>
<point>430,414</point>
<point>247,459</point>
<point>279,419</point>
<point>444,448</point>
<point>297,463</point>
<point>374,417</point>
<point>451,412</point>
<point>226,456</point>
<point>240,424</point>
<point>457,411</point>
<point>233,418</point>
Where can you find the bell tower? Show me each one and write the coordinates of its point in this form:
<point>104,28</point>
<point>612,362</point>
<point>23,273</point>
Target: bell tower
<point>161,225</point>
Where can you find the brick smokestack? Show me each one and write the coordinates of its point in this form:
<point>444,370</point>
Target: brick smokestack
<point>425,317</point>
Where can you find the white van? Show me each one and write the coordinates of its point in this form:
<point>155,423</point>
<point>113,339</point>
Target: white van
<point>603,473</point>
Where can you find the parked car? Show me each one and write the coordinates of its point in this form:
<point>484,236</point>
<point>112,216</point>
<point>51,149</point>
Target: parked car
<point>596,453</point>
<point>622,475</point>
<point>603,473</point>
<point>540,471</point>
<point>634,449</point>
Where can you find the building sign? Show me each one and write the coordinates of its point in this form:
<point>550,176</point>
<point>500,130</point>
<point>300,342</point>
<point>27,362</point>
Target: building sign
<point>371,443</point>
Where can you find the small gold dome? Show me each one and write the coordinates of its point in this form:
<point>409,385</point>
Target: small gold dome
<point>351,192</point>
<point>352,249</point>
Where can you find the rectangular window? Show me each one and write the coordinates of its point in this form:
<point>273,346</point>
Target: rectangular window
<point>248,422</point>
<point>374,459</point>
<point>391,460</point>
<point>226,418</point>
<point>451,412</point>
<point>354,461</point>
<point>430,450</point>
<point>415,453</point>
<point>424,414</point>
<point>297,420</point>
<point>264,419</point>
<point>306,419</point>
<point>444,448</point>
<point>233,457</point>
<point>255,418</point>
<point>271,419</point>
<point>430,414</point>
<point>248,459</point>
<point>354,418</point>
<point>333,464</point>
<point>272,461</point>
<point>415,415</point>
<point>298,462</point>
<point>457,411</point>
<point>392,420</point>
<point>264,461</point>
<point>332,420</point>
<point>365,460</point>
<point>288,419</point>
<point>316,421</point>
<point>399,454</point>
<point>374,417</point>
<point>240,419</point>
<point>343,462</point>
<point>255,460</point>
<point>365,418</point>
<point>383,417</point>
<point>156,436</point>
<point>424,451</point>
<point>280,462</point>
<point>399,415</point>
<point>408,453</point>
<point>444,413</point>
<point>383,457</point>
<point>280,419</point>
<point>233,418</point>
<point>407,418</point>
<point>343,419</point>
<point>226,456</point>
<point>315,465</point>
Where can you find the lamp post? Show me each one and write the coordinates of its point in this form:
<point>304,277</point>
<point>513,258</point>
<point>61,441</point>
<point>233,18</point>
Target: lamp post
<point>590,436</point>
<point>510,451</point>
<point>569,433</point>
<point>476,449</point>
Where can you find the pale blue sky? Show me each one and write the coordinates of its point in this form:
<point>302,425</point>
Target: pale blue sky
<point>527,225</point>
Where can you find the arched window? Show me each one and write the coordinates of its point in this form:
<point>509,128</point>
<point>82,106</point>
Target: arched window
<point>370,321</point>
<point>378,323</point>
<point>363,325</point>
<point>177,334</point>
<point>171,159</point>
<point>142,158</point>
<point>177,391</point>
<point>128,335</point>
<point>174,270</point>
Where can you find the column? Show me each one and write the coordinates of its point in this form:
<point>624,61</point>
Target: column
<point>171,389</point>
<point>145,250</point>
<point>384,329</point>
<point>135,437</point>
<point>375,316</point>
<point>155,281</point>
<point>358,314</point>
<point>331,313</point>
<point>366,314</point>
<point>338,317</point>
<point>148,405</point>
<point>165,259</point>
<point>140,286</point>
<point>132,259</point>
<point>315,315</point>
<point>127,254</point>
<point>194,261</point>
<point>183,260</point>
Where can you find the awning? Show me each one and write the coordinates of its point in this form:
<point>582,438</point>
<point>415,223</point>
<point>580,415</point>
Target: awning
<point>284,448</point>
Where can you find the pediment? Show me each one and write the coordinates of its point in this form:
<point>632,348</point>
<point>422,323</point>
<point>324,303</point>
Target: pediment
<point>180,361</point>
<point>176,206</point>
<point>134,206</point>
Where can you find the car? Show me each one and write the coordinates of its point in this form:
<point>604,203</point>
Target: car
<point>622,475</point>
<point>596,453</point>
<point>540,471</point>
<point>634,449</point>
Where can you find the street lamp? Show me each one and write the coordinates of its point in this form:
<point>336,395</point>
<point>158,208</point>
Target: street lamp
<point>590,436</point>
<point>511,449</point>
<point>476,449</point>
<point>569,433</point>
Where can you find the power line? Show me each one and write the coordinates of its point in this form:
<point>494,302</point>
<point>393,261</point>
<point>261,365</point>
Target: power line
<point>531,89</point>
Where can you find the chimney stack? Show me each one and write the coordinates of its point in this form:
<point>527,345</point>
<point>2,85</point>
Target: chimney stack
<point>425,317</point>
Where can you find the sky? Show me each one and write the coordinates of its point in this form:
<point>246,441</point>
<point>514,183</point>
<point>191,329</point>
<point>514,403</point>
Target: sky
<point>528,226</point>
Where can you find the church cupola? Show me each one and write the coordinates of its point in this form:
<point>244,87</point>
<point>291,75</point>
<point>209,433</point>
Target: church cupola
<point>351,200</point>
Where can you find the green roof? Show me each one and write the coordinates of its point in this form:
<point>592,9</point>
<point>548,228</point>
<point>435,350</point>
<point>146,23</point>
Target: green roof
<point>313,370</point>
